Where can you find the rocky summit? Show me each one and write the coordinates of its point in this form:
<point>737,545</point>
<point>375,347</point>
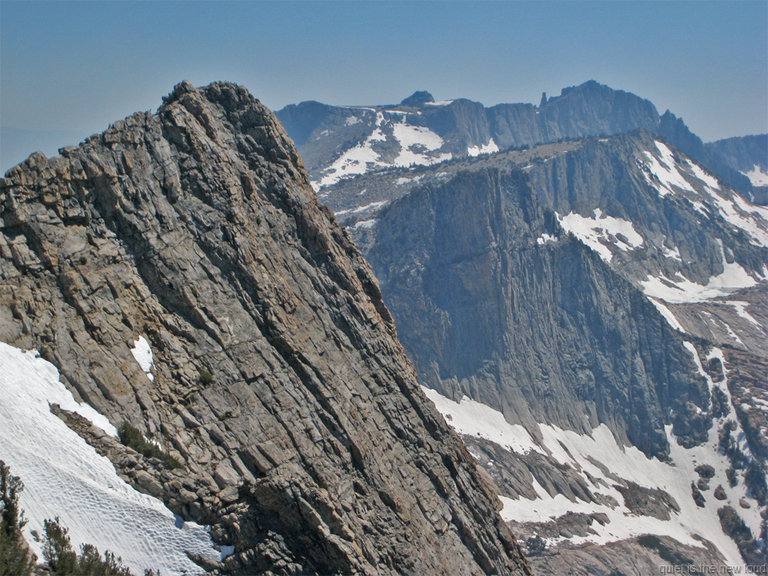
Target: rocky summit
<point>191,237</point>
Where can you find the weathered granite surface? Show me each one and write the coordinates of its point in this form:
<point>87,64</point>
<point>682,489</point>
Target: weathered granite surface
<point>311,449</point>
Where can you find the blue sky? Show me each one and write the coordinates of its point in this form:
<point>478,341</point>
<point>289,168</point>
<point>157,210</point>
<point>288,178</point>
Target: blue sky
<point>68,69</point>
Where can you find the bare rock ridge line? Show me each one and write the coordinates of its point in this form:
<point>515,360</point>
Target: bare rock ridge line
<point>278,378</point>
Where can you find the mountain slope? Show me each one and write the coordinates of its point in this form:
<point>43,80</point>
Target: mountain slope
<point>607,301</point>
<point>179,272</point>
<point>748,155</point>
<point>480,289</point>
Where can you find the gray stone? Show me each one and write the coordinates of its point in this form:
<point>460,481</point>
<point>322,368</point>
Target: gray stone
<point>204,233</point>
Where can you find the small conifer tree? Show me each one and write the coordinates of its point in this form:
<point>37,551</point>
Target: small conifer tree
<point>15,556</point>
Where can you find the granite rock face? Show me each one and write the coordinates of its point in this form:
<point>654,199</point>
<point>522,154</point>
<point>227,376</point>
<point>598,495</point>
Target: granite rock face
<point>543,331</point>
<point>278,378</point>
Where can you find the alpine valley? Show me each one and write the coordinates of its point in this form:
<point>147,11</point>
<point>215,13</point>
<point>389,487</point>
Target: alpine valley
<point>463,340</point>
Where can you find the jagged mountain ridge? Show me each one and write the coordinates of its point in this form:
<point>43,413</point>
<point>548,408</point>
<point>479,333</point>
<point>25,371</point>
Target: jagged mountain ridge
<point>308,446</point>
<point>341,142</point>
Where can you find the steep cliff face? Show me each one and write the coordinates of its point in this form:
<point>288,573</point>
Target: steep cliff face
<point>278,379</point>
<point>585,110</point>
<point>654,215</point>
<point>493,305</point>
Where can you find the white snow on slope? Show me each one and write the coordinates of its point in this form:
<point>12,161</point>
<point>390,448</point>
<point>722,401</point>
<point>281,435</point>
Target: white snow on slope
<point>418,146</point>
<point>745,215</point>
<point>143,355</point>
<point>673,253</point>
<point>601,231</point>
<point>64,476</point>
<point>544,238</point>
<point>488,148</point>
<point>741,310</point>
<point>701,174</point>
<point>758,176</point>
<point>405,180</point>
<point>583,451</point>
<point>665,170</point>
<point>681,290</point>
<point>667,176</point>
<point>668,315</point>
<point>475,419</point>
<point>363,224</point>
<point>359,209</point>
<point>415,141</point>
<point>357,160</point>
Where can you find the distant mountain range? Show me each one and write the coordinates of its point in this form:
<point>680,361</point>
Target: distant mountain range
<point>338,142</point>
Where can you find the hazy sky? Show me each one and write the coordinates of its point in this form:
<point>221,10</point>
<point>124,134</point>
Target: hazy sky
<point>68,69</point>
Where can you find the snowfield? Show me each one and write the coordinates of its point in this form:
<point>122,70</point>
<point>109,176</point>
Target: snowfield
<point>143,354</point>
<point>758,176</point>
<point>64,476</point>
<point>418,145</point>
<point>681,290</point>
<point>597,453</point>
<point>601,232</point>
<point>488,148</point>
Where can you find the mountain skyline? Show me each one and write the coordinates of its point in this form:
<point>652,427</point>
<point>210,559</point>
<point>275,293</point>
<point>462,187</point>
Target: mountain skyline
<point>68,69</point>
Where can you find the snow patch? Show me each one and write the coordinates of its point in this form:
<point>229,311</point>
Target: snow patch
<point>668,316</point>
<point>405,180</point>
<point>732,278</point>
<point>475,419</point>
<point>664,173</point>
<point>758,176</point>
<point>65,477</point>
<point>673,253</point>
<point>601,231</point>
<point>143,355</point>
<point>544,238</point>
<point>415,141</point>
<point>359,209</point>
<point>746,216</point>
<point>488,148</point>
<point>363,224</point>
<point>703,175</point>
<point>741,310</point>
